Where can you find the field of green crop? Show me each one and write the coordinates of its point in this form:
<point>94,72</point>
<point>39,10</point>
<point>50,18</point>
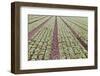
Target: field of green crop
<point>57,37</point>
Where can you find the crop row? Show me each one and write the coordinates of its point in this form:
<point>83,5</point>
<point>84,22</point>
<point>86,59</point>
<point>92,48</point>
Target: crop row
<point>40,45</point>
<point>69,45</point>
<point>81,30</point>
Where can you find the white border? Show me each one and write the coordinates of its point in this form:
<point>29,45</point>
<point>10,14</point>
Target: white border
<point>24,64</point>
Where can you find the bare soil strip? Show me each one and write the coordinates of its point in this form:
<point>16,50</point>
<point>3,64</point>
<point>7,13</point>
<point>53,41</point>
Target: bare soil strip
<point>55,48</point>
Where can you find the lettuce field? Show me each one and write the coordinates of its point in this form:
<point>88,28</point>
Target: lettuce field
<point>57,37</point>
